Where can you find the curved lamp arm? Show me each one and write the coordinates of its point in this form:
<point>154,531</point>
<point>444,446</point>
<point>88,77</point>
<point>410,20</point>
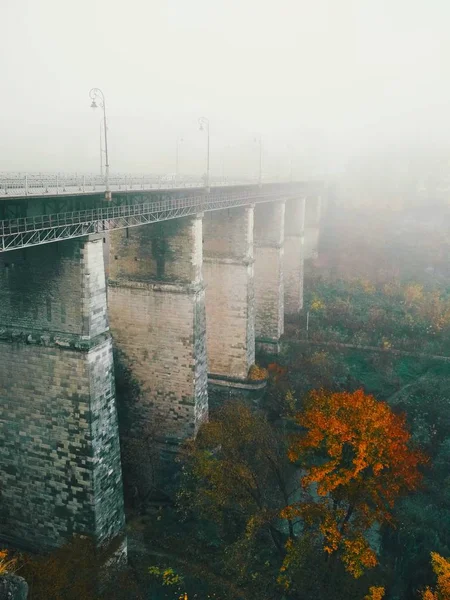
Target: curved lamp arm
<point>204,124</point>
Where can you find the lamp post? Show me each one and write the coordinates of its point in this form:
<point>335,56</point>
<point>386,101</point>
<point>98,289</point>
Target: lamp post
<point>223,165</point>
<point>259,139</point>
<point>179,139</point>
<point>290,162</point>
<point>101,151</point>
<point>96,95</point>
<point>204,124</point>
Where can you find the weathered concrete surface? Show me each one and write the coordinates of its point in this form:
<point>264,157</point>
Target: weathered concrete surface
<point>230,300</point>
<point>294,256</point>
<point>60,458</point>
<point>269,285</point>
<point>312,226</point>
<point>156,300</point>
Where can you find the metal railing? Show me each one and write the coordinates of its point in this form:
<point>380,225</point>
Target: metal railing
<point>41,229</point>
<point>20,185</point>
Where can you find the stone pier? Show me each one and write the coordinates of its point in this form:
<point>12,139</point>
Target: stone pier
<point>312,226</point>
<point>156,301</point>
<point>294,256</point>
<point>60,470</point>
<point>230,300</point>
<point>269,286</point>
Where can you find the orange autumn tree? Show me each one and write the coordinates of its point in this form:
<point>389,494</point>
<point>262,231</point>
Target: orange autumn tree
<point>441,568</point>
<point>375,593</point>
<point>7,564</point>
<point>357,459</point>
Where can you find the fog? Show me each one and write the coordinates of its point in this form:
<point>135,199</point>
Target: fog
<point>326,83</point>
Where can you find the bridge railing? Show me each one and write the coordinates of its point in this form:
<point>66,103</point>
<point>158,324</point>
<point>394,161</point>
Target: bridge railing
<point>196,203</point>
<point>40,185</point>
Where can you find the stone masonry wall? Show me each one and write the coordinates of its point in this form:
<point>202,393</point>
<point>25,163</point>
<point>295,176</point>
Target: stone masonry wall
<point>311,243</point>
<point>294,256</point>
<point>312,226</point>
<point>60,458</point>
<point>230,299</point>
<point>269,288</point>
<point>58,288</point>
<point>157,309</point>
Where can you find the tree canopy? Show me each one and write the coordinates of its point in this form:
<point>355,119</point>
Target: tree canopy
<point>358,459</point>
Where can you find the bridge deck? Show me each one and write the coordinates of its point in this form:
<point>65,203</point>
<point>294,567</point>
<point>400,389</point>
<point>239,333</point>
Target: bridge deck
<point>42,229</point>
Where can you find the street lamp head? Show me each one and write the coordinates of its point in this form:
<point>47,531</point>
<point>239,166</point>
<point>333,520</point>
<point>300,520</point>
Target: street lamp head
<point>97,97</point>
<point>204,123</point>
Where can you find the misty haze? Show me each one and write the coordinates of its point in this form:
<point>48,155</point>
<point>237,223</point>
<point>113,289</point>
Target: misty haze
<point>225,300</point>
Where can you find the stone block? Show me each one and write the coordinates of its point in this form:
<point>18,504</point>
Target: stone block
<point>294,256</point>
<point>157,309</point>
<point>60,471</point>
<point>269,276</point>
<point>228,269</point>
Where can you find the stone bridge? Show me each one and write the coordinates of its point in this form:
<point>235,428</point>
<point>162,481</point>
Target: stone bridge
<point>185,285</point>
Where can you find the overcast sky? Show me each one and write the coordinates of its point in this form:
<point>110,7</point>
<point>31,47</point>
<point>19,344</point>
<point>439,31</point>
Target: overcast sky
<point>330,79</point>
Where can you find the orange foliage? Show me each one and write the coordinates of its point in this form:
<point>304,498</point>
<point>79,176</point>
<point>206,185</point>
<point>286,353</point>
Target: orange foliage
<point>80,570</point>
<point>7,564</point>
<point>357,458</point>
<point>276,371</point>
<point>358,555</point>
<point>441,568</point>
<point>366,445</point>
<point>257,373</point>
<point>375,593</point>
